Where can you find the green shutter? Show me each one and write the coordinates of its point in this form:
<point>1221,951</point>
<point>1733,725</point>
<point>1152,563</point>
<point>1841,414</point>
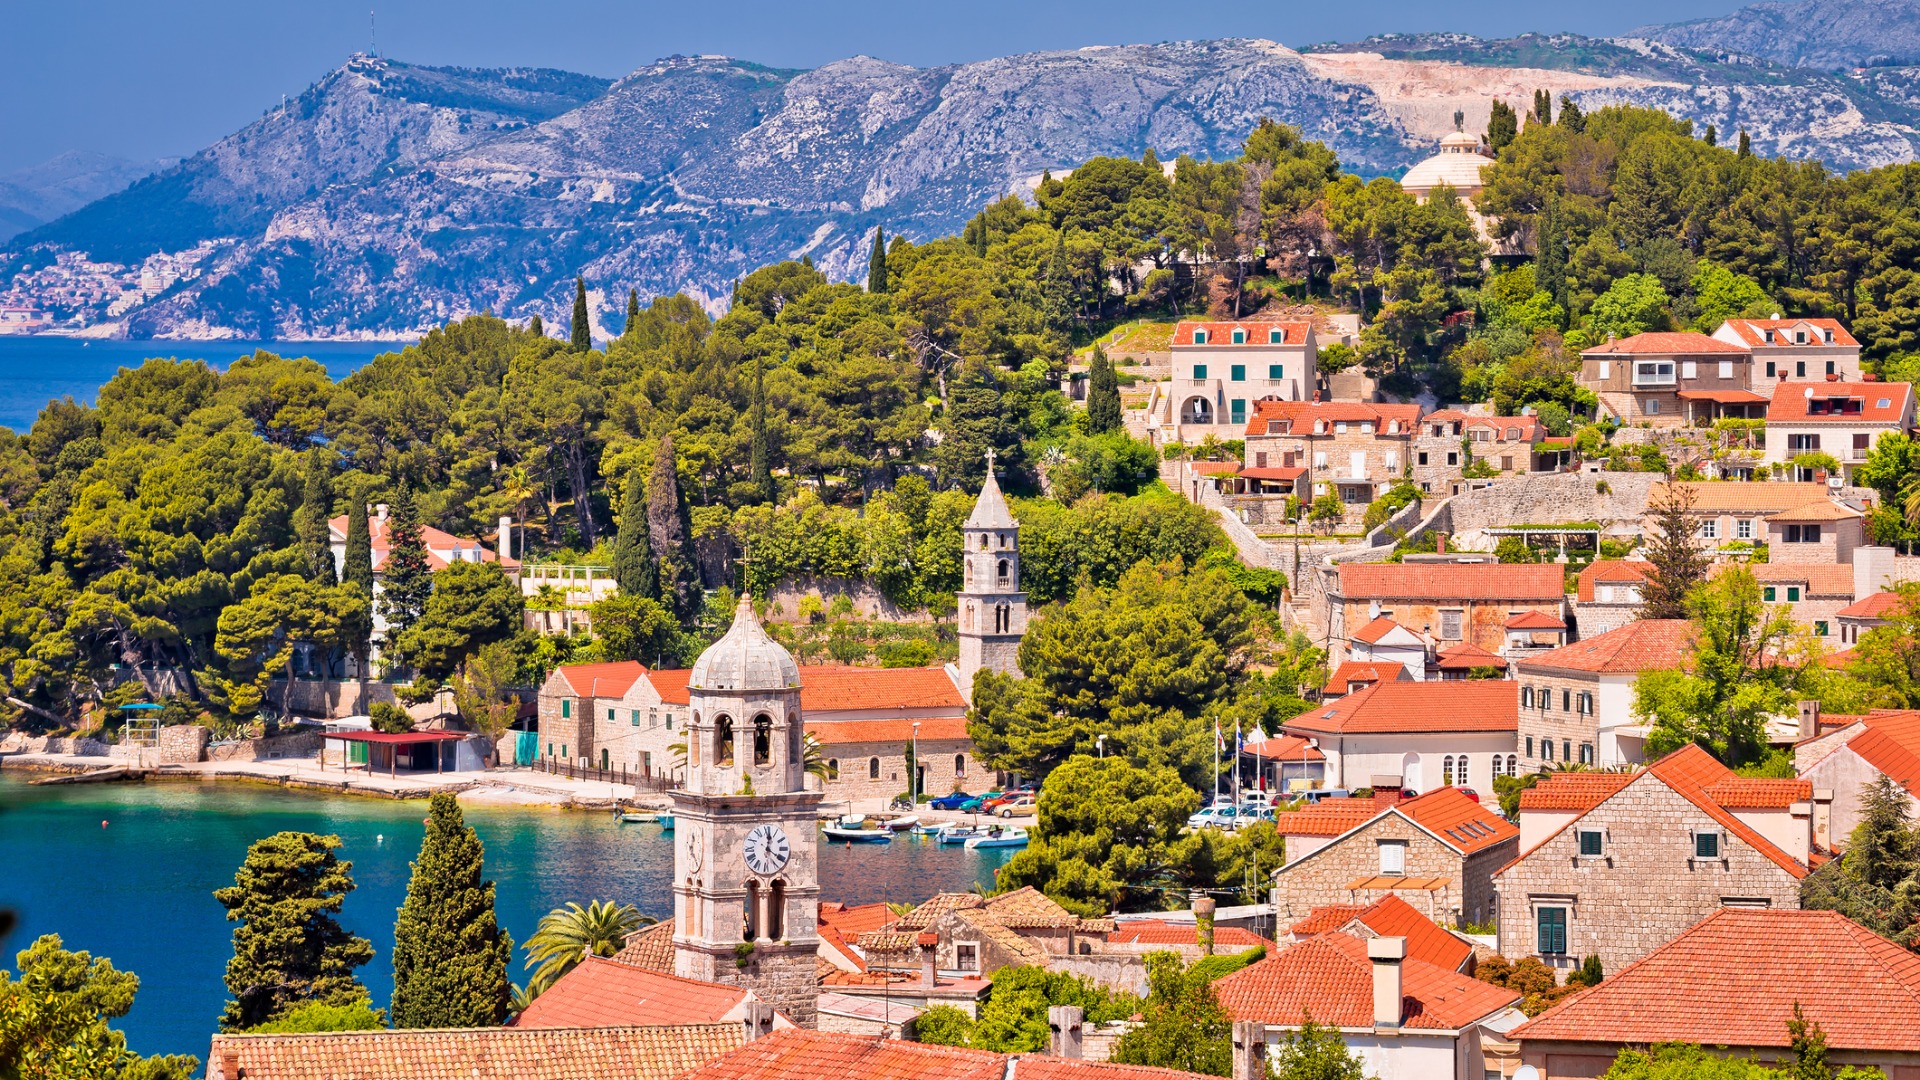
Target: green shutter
<point>1276,371</point>
<point>566,706</point>
<point>1199,371</point>
<point>1552,935</point>
<point>1239,372</point>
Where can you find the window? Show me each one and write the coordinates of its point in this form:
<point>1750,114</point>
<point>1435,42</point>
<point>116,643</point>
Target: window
<point>1499,767</point>
<point>1446,771</point>
<point>1526,697</point>
<point>1276,337</point>
<point>1450,625</point>
<point>1238,372</point>
<point>1799,369</point>
<point>566,708</point>
<point>1798,443</point>
<point>873,768</point>
<point>1803,534</point>
<point>1393,461</point>
<point>1393,858</point>
<point>1606,369</point>
<point>1743,529</point>
<point>1566,700</point>
<point>1546,749</point>
<point>1829,367</point>
<point>833,768</point>
<point>1276,371</point>
<point>1710,529</point>
<point>636,718</point>
<point>1200,338</point>
<point>1453,458</point>
<point>1585,702</point>
<point>1239,336</point>
<point>1586,753</point>
<point>1651,406</point>
<point>1319,459</point>
<point>1260,460</point>
<point>723,737</point>
<point>1423,457</point>
<point>1366,427</point>
<point>1340,428</point>
<point>1239,410</point>
<point>1706,845</point>
<point>669,721</point>
<point>1767,594</point>
<point>1690,370</point>
<point>1592,842</point>
<point>762,739</point>
<point>959,765</point>
<point>1770,371</point>
<point>1860,442</point>
<point>1566,749</point>
<point>1653,373</point>
<point>1726,369</point>
<point>1513,763</point>
<point>1529,746</point>
<point>967,957</point>
<point>1820,628</point>
<point>609,715</point>
<point>1551,938</point>
<point>1199,371</point>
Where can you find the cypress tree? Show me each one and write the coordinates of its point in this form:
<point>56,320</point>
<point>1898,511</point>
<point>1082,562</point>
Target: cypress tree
<point>449,953</point>
<point>1746,144</point>
<point>667,530</point>
<point>1057,295</point>
<point>758,469</point>
<point>289,950</point>
<point>358,572</point>
<point>1713,136</point>
<point>316,506</point>
<point>1571,117</point>
<point>877,262</point>
<point>1502,125</point>
<point>408,579</point>
<point>1543,106</point>
<point>1550,260</point>
<point>1103,395</point>
<point>535,327</point>
<point>633,565</point>
<point>582,331</point>
<point>633,312</point>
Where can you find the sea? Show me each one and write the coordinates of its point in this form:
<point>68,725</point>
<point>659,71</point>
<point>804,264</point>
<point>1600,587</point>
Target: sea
<point>127,872</point>
<point>37,369</point>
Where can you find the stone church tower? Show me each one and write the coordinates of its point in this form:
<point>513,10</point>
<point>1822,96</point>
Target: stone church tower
<point>991,608</point>
<point>746,882</point>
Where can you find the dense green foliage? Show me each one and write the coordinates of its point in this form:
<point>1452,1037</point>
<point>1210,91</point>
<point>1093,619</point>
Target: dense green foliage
<point>289,949</point>
<point>1314,1052</point>
<point>321,1016</point>
<point>1876,883</point>
<point>449,952</point>
<point>1183,1026</point>
<point>1013,1018</point>
<point>53,1020</point>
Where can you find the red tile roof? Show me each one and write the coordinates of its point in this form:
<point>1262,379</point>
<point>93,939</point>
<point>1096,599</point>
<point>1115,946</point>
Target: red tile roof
<point>1452,581</point>
<point>601,680</point>
<point>1877,402</point>
<point>1391,707</point>
<point>1364,672</point>
<point>671,685</point>
<point>622,1053</point>
<point>1302,415</point>
<point>1664,343</point>
<point>1256,473</point>
<point>1378,627</point>
<point>1468,655</point>
<point>1821,580</point>
<point>1391,916</point>
<point>1535,620</point>
<point>1214,468</point>
<point>1610,571</point>
<point>1641,645</point>
<point>1735,497</point>
<point>650,947</point>
<point>1755,793</point>
<point>840,732</point>
<point>812,1055</point>
<point>1330,978</point>
<point>1580,791</point>
<point>1891,744</point>
<point>1332,817</point>
<point>1286,748</point>
<point>1691,771</point>
<point>1221,333</point>
<point>1459,822</point>
<point>1734,978</point>
<point>1878,605</point>
<point>434,540</point>
<point>1749,331</point>
<point>602,993</point>
<point>1323,919</point>
<point>1161,932</point>
<point>831,688</point>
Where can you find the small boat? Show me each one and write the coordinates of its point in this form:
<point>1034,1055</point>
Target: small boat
<point>665,819</point>
<point>1007,838</point>
<point>900,824</point>
<point>630,817</point>
<point>857,835</point>
<point>929,828</point>
<point>960,834</point>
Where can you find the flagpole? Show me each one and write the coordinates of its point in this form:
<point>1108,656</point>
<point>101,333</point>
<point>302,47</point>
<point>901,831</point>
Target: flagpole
<point>1216,762</point>
<point>1236,769</point>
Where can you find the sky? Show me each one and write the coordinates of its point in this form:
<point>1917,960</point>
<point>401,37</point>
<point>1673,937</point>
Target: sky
<point>145,80</point>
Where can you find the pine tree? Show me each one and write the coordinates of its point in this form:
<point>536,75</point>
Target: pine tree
<point>316,506</point>
<point>1678,564</point>
<point>667,530</point>
<point>289,949</point>
<point>1543,106</point>
<point>1571,117</point>
<point>449,953</point>
<point>1502,125</point>
<point>877,262</point>
<point>633,566</point>
<point>1057,290</point>
<point>582,339</point>
<point>1103,395</point>
<point>758,469</point>
<point>535,327</point>
<point>1884,848</point>
<point>1746,144</point>
<point>633,312</point>
<point>407,580</point>
<point>1713,135</point>
<point>358,572</point>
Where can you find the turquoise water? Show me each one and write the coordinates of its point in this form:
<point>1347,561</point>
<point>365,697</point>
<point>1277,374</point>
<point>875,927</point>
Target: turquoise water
<point>139,890</point>
<point>35,370</point>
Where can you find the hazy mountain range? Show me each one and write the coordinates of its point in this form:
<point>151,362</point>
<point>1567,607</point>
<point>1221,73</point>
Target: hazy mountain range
<point>391,196</point>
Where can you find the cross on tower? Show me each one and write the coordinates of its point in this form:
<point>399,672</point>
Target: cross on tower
<point>990,459</point>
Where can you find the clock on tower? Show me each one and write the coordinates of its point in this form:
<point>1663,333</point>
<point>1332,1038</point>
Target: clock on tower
<point>746,886</point>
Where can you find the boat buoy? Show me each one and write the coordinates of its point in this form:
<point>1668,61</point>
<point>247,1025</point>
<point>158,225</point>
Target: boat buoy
<point>426,821</point>
<point>103,823</point>
<point>379,838</point>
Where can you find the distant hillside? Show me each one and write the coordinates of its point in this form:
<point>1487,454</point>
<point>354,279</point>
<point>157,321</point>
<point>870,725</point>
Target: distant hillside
<point>38,194</point>
<point>1826,34</point>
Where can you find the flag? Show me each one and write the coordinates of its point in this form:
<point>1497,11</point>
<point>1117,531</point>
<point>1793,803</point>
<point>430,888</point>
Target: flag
<point>1219,740</point>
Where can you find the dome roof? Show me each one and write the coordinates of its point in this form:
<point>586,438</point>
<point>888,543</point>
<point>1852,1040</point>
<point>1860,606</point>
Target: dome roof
<point>1458,164</point>
<point>745,658</point>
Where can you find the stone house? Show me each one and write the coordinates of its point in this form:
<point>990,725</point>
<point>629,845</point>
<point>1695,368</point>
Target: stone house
<point>1840,419</point>
<point>1449,438</point>
<point>1794,349</point>
<point>1576,702</point>
<point>1840,764</point>
<point>1391,916</point>
<point>972,936</point>
<point>1416,735</point>
<point>1220,369</point>
<point>1710,839</point>
<point>1870,612</point>
<point>1445,602</point>
<point>1671,379</point>
<point>1402,1016</point>
<point>1608,594</point>
<point>1383,641</point>
<point>1765,967</point>
<point>1352,449</point>
<point>1729,515</point>
<point>1814,593</point>
<point>1437,852</point>
<point>1820,533</point>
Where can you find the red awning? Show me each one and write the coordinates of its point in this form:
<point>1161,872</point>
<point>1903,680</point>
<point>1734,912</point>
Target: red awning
<point>1273,474</point>
<point>1726,397</point>
<point>398,738</point>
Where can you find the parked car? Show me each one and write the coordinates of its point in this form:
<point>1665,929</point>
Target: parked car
<point>1470,793</point>
<point>1328,793</point>
<point>978,803</point>
<point>1020,807</point>
<point>1222,816</point>
<point>956,801</point>
<point>994,804</point>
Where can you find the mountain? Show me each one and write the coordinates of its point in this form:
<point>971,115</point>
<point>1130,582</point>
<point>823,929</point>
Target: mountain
<point>389,197</point>
<point>37,194</point>
<point>1826,34</point>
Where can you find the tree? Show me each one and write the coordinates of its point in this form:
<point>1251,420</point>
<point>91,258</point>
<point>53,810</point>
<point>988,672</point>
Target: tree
<point>472,604</point>
<point>316,507</point>
<point>1502,125</point>
<point>759,472</point>
<point>1326,511</point>
<point>483,690</point>
<point>1313,1052</point>
<point>1103,395</point>
<point>407,577</point>
<point>1184,1026</point>
<point>1887,658</point>
<point>1742,671</point>
<point>449,953</point>
<point>1013,1018</point>
<point>1678,564</point>
<point>566,934</point>
<point>357,573</point>
<point>1104,825</point>
<point>1633,304</point>
<point>633,566</point>
<point>637,628</point>
<point>316,1017</point>
<point>633,311</point>
<point>582,337</point>
<point>1571,117</point>
<point>1543,106</point>
<point>877,262</point>
<point>289,949</point>
<point>53,1020</point>
<point>667,534</point>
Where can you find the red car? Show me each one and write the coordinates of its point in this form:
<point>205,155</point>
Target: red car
<point>991,805</point>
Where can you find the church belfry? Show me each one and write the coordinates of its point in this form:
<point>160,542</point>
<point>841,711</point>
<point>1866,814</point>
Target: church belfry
<point>746,887</point>
<point>991,608</point>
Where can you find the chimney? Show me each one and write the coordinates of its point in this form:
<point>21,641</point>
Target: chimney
<point>1249,1050</point>
<point>1063,1023</point>
<point>758,1019</point>
<point>1386,954</point>
<point>928,943</point>
<point>380,511</point>
<point>229,1065</point>
<point>504,545</point>
<point>1809,718</point>
<point>1440,543</point>
<point>1203,909</point>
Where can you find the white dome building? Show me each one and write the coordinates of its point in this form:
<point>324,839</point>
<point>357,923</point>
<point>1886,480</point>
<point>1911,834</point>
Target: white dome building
<point>1458,164</point>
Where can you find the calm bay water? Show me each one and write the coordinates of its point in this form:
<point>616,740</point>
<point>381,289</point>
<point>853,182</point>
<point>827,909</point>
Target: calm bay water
<point>35,370</point>
<point>140,889</point>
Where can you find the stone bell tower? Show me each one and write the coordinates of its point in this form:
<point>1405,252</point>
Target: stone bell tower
<point>991,608</point>
<point>746,887</point>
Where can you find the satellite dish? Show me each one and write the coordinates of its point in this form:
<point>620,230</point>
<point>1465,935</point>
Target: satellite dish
<point>1526,1072</point>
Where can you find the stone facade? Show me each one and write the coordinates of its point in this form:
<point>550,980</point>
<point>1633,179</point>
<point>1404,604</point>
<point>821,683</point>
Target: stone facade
<point>869,770</point>
<point>1643,890</point>
<point>1575,716</point>
<point>1350,450</point>
<point>990,609</point>
<point>1322,878</point>
<point>183,744</point>
<point>1482,621</point>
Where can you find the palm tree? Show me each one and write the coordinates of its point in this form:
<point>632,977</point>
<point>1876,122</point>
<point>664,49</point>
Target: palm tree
<point>816,762</point>
<point>569,933</point>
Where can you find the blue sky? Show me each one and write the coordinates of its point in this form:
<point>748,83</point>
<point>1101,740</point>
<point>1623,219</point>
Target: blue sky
<point>145,80</point>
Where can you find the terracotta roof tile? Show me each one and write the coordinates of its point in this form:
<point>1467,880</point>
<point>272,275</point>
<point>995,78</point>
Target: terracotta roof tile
<point>1794,402</point>
<point>1331,817</point>
<point>812,1055</point>
<point>1322,919</point>
<point>1286,748</point>
<point>601,680</point>
<point>1749,331</point>
<point>1880,605</point>
<point>1611,571</point>
<point>1690,771</point>
<point>1641,645</point>
<point>1452,581</point>
<point>831,688</point>
<point>1391,916</point>
<point>1727,496</point>
<point>1534,620</point>
<point>1580,791</point>
<point>1214,468</point>
<point>1474,705</point>
<point>1378,627</point>
<point>1821,580</point>
<point>671,685</point>
<point>1257,331</point>
<point>1468,655</point>
<point>1458,821</point>
<point>839,732</point>
<point>1302,415</point>
<point>1364,672</point>
<point>617,1053</point>
<point>1664,343</point>
<point>939,904</point>
<point>599,992</point>
<point>1282,473</point>
<point>1754,793</point>
<point>1161,932</point>
<point>1891,744</point>
<point>1028,907</point>
<point>1734,978</point>
<point>1330,978</point>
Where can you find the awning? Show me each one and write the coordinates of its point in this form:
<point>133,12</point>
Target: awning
<point>1273,474</point>
<point>1725,397</point>
<point>399,738</point>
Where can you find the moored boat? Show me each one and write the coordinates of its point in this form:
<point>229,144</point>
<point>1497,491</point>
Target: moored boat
<point>856,835</point>
<point>1005,838</point>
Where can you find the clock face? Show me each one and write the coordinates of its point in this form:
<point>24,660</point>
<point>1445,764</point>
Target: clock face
<point>766,849</point>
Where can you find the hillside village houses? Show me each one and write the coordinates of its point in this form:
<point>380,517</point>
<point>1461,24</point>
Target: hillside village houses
<point>1220,369</point>
<point>1841,420</point>
<point>1445,603</point>
<point>1839,763</point>
<point>1576,702</point>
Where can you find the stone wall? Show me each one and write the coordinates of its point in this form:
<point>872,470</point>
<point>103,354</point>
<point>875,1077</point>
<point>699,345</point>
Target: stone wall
<point>868,602</point>
<point>855,759</point>
<point>1547,499</point>
<point>1127,974</point>
<point>1644,890</point>
<point>302,744</point>
<point>19,743</point>
<point>1322,877</point>
<point>331,699</point>
<point>1565,728</point>
<point>183,744</point>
